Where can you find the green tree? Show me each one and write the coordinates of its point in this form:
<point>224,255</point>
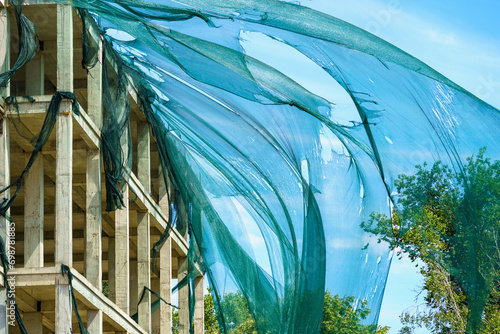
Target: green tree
<point>211,324</point>
<point>451,221</point>
<point>339,317</point>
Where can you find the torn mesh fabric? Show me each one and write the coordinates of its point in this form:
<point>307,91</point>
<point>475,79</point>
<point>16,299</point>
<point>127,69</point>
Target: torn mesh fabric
<point>274,178</point>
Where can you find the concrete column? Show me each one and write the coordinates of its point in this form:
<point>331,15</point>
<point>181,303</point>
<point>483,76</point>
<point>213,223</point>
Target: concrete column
<point>94,91</point>
<point>4,181</point>
<point>133,287</point>
<point>166,287</point>
<point>93,216</point>
<point>155,317</point>
<point>35,76</point>
<point>94,321</point>
<point>183,297</point>
<point>4,153</point>
<point>143,226</point>
<point>93,220</point>
<point>4,48</point>
<point>4,325</point>
<point>33,322</point>
<point>64,164</point>
<point>144,269</point>
<point>63,308</point>
<point>64,47</point>
<point>165,263</point>
<point>111,269</point>
<point>199,311</point>
<point>93,228</point>
<point>33,214</point>
<point>93,235</point>
<point>122,255</point>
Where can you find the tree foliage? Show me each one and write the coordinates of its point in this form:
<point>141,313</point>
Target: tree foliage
<point>450,219</point>
<point>339,316</point>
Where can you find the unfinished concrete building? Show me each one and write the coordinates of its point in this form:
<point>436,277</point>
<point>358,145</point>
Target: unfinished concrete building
<point>59,216</point>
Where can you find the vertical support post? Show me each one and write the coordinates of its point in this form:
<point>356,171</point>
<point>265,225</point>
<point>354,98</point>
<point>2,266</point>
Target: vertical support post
<point>4,181</point>
<point>34,196</point>
<point>33,188</point>
<point>4,49</point>
<point>155,317</point>
<point>4,154</point>
<point>64,164</point>
<point>94,321</point>
<point>165,263</point>
<point>33,214</point>
<point>133,284</point>
<point>33,322</point>
<point>183,296</point>
<point>122,255</point>
<point>64,47</point>
<point>181,273</point>
<point>94,90</point>
<point>4,321</point>
<point>111,269</point>
<point>199,311</point>
<point>93,216</point>
<point>166,286</point>
<point>35,76</point>
<point>143,226</point>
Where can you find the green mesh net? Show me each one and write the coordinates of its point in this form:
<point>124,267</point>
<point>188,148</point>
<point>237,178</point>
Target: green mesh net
<point>285,194</point>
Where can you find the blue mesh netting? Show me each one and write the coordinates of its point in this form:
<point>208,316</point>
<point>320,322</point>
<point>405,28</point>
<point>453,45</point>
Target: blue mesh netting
<point>276,180</point>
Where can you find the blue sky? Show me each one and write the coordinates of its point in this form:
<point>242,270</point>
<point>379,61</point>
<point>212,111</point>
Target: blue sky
<point>460,39</point>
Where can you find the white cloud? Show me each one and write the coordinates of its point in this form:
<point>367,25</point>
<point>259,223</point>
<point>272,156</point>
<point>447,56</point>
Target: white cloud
<point>342,243</point>
<point>256,240</point>
<point>440,37</point>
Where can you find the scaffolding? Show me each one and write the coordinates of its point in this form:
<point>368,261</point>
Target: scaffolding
<point>59,217</point>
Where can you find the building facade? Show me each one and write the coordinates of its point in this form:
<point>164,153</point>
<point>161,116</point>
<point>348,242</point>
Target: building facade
<point>58,217</point>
